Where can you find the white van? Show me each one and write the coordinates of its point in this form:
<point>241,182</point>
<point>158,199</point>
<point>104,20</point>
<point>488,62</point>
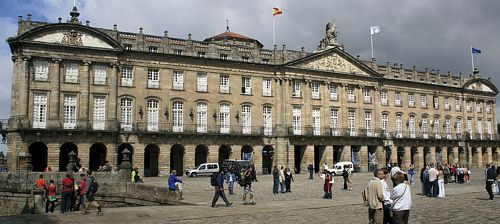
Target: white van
<point>339,167</point>
<point>203,169</point>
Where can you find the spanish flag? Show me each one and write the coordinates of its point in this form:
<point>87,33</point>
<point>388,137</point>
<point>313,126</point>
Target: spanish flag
<point>277,11</point>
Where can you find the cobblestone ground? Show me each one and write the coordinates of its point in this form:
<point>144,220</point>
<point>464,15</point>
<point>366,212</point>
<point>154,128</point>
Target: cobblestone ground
<point>464,203</point>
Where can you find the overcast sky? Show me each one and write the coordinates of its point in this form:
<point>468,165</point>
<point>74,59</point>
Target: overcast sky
<point>424,33</point>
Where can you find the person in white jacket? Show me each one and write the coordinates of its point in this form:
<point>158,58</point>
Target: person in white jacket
<point>401,196</point>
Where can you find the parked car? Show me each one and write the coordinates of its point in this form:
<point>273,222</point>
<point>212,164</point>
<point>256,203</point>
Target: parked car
<point>339,167</point>
<point>206,169</point>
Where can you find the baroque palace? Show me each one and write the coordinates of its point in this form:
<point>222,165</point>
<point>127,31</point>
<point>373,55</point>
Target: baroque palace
<point>176,103</point>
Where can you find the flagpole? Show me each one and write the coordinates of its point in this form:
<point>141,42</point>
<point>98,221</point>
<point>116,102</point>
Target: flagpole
<point>472,58</point>
<point>274,35</point>
<point>371,43</point>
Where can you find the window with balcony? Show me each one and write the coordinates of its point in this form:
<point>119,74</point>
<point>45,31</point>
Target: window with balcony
<point>411,126</point>
<point>334,121</point>
<point>315,90</point>
<point>153,78</point>
<point>246,86</point>
<point>100,75</point>
<point>367,95</point>
<point>352,122</point>
<point>383,98</point>
<point>488,108</point>
<point>297,127</point>
<point>71,75</point>
<point>296,88</point>
<point>446,103</point>
<point>99,113</point>
<point>458,127</point>
<point>127,76</point>
<point>39,110</point>
<point>177,52</point>
<point>202,82</point>
<point>267,119</point>
<point>224,117</point>
<point>468,106</point>
<point>480,128</point>
<point>178,81</point>
<point>333,92</point>
<point>435,101</point>
<point>316,121</point>
<point>246,119</point>
<point>153,49</point>
<point>423,101</point>
<point>458,104</point>
<point>128,47</point>
<point>224,84</point>
<point>436,128</point>
<point>41,68</point>
<point>223,57</point>
<point>368,123</point>
<point>201,117</point>
<point>411,100</point>
<point>69,111</point>
<point>478,107</point>
<point>397,99</point>
<point>425,129</point>
<point>385,124</point>
<point>266,87</point>
<point>350,94</point>
<point>399,126</point>
<point>447,128</point>
<point>469,126</point>
<point>177,116</point>
<point>153,114</point>
<point>126,114</point>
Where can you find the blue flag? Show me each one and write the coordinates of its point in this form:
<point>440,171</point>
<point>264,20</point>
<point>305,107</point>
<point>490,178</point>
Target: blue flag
<point>476,51</point>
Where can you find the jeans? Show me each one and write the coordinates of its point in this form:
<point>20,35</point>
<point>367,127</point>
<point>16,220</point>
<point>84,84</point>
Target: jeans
<point>488,189</point>
<point>51,206</point>
<point>310,174</point>
<point>412,178</point>
<point>230,187</point>
<point>276,187</point>
<point>387,216</point>
<point>65,201</point>
<point>435,188</point>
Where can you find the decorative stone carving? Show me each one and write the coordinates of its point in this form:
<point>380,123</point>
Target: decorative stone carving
<point>330,39</point>
<point>72,38</point>
<point>334,63</point>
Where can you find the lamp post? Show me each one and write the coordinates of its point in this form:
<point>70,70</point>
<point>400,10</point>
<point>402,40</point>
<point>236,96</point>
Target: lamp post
<point>72,160</point>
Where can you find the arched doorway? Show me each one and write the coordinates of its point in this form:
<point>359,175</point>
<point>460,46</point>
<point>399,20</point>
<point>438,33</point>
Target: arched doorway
<point>247,152</point>
<point>267,159</point>
<point>200,155</point>
<point>151,154</point>
<point>413,156</point>
<point>65,149</point>
<point>39,155</point>
<point>224,153</point>
<point>298,156</point>
<point>388,153</point>
<point>439,155</point>
<point>401,155</point>
<point>120,153</point>
<point>372,158</point>
<point>177,159</point>
<point>97,156</point>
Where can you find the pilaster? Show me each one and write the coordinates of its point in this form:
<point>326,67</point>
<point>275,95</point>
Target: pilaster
<point>419,160</point>
<point>406,158</point>
<point>328,155</point>
<point>432,154</point>
<point>363,154</point>
<point>84,95</point>
<point>54,77</point>
<point>444,153</point>
<point>346,154</point>
<point>380,155</point>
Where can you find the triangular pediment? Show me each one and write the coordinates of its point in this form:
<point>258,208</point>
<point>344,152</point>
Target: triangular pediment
<point>334,60</point>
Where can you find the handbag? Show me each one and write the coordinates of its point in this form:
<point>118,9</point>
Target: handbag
<point>391,211</point>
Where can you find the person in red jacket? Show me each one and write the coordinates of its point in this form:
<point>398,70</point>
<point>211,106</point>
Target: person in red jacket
<point>81,194</point>
<point>66,193</point>
<point>51,197</point>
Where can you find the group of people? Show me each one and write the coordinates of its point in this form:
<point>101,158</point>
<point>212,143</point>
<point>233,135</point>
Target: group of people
<point>244,177</point>
<point>432,178</point>
<point>282,180</point>
<point>75,195</point>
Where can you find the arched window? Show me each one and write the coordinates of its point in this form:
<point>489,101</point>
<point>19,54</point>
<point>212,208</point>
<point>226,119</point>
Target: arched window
<point>126,113</point>
<point>152,115</point>
<point>177,116</point>
<point>201,117</point>
<point>267,119</point>
<point>224,112</point>
<point>246,111</point>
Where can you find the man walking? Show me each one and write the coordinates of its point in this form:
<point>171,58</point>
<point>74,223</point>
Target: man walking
<point>247,188</point>
<point>490,179</point>
<point>310,168</point>
<point>375,198</point>
<point>219,190</point>
<point>276,180</point>
<point>90,190</point>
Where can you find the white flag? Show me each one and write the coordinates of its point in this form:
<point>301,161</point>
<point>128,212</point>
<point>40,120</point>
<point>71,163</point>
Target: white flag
<point>374,29</point>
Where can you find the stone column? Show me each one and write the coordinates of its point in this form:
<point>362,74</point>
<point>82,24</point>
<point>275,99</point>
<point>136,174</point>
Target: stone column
<point>432,154</point>
<point>84,96</point>
<point>111,154</point>
<point>164,158</point>
<point>489,152</point>
<point>235,152</point>
<point>189,155</point>
<point>328,155</point>
<point>479,158</point>
<point>394,154</point>
<point>308,156</point>
<point>16,83</point>
<point>363,154</point>
<point>380,155</point>
<point>24,94</point>
<point>55,97</point>
<point>419,159</point>
<point>257,157</point>
<point>444,152</point>
<point>407,158</point>
<point>213,154</point>
<point>346,154</point>
<point>113,97</point>
<point>456,156</point>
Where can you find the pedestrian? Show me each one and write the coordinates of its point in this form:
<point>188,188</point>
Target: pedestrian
<point>387,197</point>
<point>230,178</point>
<point>375,198</point>
<point>446,170</point>
<point>466,172</point>
<point>497,176</point>
<point>424,180</point>
<point>66,193</point>
<point>51,197</point>
<point>282,180</point>
<point>276,180</point>
<point>91,188</point>
<point>345,175</point>
<point>349,179</point>
<point>247,188</point>
<point>440,180</point>
<point>40,182</point>
<point>219,190</point>
<point>310,169</point>
<point>433,183</point>
<point>327,186</point>
<point>81,192</point>
<point>401,196</point>
<point>288,179</point>
<point>137,177</point>
<point>175,184</point>
<point>490,176</point>
<point>411,171</point>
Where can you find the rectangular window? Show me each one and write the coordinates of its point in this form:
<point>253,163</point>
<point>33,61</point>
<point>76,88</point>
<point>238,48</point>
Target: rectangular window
<point>201,54</point>
<point>153,49</point>
<point>468,106</point>
<point>397,99</point>
<point>153,78</point>
<point>411,100</point>
<point>246,112</point>
<point>446,103</point>
<point>352,122</point>
<point>296,88</point>
<point>296,113</point>
<point>178,81</point>
<point>488,108</point>
<point>201,117</point>
<point>71,73</point>
<point>177,52</point>
<point>99,113</point>
<point>423,101</point>
<point>447,128</point>
<point>266,87</point>
<point>458,128</point>
<point>224,118</point>
<point>223,56</point>
<point>436,128</point>
<point>333,92</point>
<point>224,84</point>
<point>458,104</point>
<point>383,98</point>
<point>480,129</point>
<point>335,121</point>
<point>245,59</point>
<point>177,116</point>
<point>128,47</point>
<point>69,110</point>
<point>425,130</point>
<point>399,126</point>
<point>39,110</point>
<point>350,94</point>
<point>367,95</point>
<point>435,101</point>
<point>152,115</point>
<point>411,126</point>
<point>489,129</point>
<point>127,76</point>
<point>469,126</point>
<point>478,107</point>
<point>246,85</point>
<point>202,82</point>
<point>385,122</point>
<point>267,119</point>
<point>368,123</point>
<point>315,90</point>
<point>100,75</point>
<point>41,68</point>
<point>316,121</point>
<point>126,114</point>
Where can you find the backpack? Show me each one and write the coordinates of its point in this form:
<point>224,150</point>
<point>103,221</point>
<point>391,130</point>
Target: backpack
<point>213,179</point>
<point>94,186</point>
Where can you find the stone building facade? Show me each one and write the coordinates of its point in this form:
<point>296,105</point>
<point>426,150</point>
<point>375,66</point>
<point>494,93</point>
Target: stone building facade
<point>176,103</point>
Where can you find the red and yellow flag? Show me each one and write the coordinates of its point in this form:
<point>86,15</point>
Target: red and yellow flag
<point>277,11</point>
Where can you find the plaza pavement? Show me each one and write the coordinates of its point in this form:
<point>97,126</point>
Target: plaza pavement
<point>464,203</point>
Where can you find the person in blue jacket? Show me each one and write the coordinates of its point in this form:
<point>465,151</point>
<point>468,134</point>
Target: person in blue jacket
<point>219,189</point>
<point>175,184</point>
